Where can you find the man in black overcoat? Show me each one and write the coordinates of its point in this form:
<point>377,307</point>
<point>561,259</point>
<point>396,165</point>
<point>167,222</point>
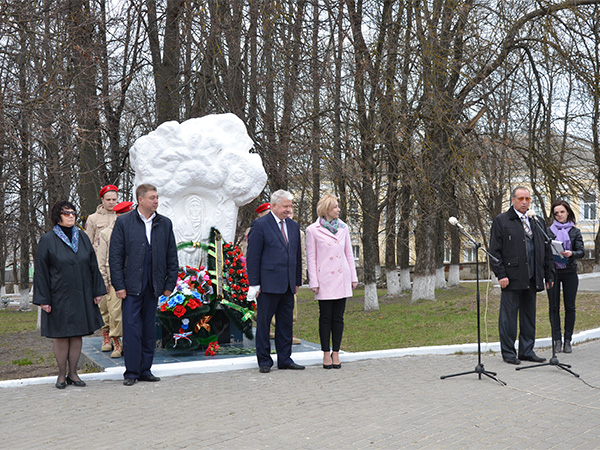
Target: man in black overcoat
<point>524,262</point>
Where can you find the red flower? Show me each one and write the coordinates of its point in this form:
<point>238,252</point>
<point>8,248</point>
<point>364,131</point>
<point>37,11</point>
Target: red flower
<point>192,303</point>
<point>163,307</point>
<point>213,347</point>
<point>179,310</point>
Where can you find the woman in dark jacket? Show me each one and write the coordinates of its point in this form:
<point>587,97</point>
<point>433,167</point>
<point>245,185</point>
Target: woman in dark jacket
<point>563,230</point>
<point>68,287</point>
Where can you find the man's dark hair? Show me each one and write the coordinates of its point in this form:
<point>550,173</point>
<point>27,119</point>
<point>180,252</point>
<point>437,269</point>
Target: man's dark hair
<point>142,189</point>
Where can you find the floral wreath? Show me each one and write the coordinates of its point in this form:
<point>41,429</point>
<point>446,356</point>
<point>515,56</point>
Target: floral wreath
<point>187,312</point>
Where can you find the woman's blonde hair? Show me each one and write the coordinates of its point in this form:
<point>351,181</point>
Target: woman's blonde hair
<point>325,204</point>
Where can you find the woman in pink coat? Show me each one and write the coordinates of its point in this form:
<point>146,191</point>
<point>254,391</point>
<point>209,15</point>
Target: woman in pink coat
<point>331,274</point>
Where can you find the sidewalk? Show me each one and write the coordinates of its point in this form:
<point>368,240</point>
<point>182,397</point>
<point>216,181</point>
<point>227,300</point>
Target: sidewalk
<point>377,400</point>
<point>383,399</point>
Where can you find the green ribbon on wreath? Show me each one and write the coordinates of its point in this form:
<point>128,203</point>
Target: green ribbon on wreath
<point>187,244</point>
<point>247,313</point>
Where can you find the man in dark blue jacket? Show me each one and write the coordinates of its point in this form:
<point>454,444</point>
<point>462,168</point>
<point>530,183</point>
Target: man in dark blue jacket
<point>524,262</point>
<point>143,265</point>
<point>274,263</point>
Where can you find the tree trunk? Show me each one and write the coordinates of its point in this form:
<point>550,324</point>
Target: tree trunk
<point>339,180</point>
<point>403,238</point>
<point>165,67</point>
<point>23,168</point>
<point>315,141</point>
<point>289,94</point>
<point>83,53</point>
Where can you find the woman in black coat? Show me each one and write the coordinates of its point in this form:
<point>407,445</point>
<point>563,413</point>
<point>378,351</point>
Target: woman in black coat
<point>563,229</point>
<point>68,287</point>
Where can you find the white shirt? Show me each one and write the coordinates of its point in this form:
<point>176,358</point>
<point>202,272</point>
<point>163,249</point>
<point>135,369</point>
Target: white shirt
<point>148,224</point>
<point>279,225</point>
<point>521,216</point>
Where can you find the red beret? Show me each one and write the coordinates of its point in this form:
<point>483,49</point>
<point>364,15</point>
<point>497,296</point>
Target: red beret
<point>108,187</point>
<point>263,207</point>
<point>123,207</point>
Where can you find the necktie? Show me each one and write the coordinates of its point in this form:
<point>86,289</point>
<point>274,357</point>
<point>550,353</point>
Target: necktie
<point>283,232</point>
<point>526,228</point>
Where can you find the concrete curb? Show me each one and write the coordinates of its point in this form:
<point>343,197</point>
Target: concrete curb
<point>305,358</point>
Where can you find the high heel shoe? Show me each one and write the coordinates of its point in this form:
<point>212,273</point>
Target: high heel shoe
<point>60,384</point>
<point>78,383</point>
<point>326,366</point>
<point>335,366</point>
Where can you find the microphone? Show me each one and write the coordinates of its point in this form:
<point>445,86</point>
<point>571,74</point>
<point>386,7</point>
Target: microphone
<point>454,221</point>
<point>533,216</point>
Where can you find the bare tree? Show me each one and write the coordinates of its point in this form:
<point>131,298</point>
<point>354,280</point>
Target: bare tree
<point>165,61</point>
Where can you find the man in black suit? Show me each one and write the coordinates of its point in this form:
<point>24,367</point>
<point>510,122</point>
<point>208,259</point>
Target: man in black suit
<point>524,261</point>
<point>274,263</point>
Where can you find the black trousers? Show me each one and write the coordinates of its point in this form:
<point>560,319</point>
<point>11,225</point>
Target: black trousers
<point>331,323</point>
<point>139,316</point>
<point>570,283</point>
<point>282,306</point>
<point>517,304</point>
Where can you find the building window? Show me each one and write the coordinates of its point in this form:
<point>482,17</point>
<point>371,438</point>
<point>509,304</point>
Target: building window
<point>589,253</point>
<point>447,254</point>
<point>469,254</point>
<point>535,206</point>
<point>356,252</point>
<point>589,206</point>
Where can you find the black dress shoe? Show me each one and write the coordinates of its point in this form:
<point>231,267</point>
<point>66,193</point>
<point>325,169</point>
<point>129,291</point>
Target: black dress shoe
<point>61,384</point>
<point>533,358</point>
<point>292,366</point>
<point>264,369</point>
<point>337,366</point>
<point>78,383</point>
<point>150,377</point>
<point>514,361</point>
<point>327,366</point>
<point>567,348</point>
<point>129,381</point>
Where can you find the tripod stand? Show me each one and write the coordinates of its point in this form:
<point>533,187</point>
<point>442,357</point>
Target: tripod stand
<point>479,368</point>
<point>554,360</point>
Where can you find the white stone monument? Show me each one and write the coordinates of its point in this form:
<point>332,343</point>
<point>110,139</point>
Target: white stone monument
<point>204,172</point>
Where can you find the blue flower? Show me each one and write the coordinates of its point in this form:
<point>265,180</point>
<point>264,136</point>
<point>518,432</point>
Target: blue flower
<point>172,302</point>
<point>179,299</point>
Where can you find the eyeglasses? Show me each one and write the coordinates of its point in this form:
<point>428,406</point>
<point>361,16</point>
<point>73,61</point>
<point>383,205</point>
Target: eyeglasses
<point>68,213</point>
<point>527,199</point>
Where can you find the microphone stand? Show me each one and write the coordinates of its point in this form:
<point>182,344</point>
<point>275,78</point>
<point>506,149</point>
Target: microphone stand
<point>479,369</point>
<point>554,360</point>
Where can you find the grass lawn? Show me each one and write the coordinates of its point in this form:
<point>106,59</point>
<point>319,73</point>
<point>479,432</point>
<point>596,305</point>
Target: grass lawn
<point>450,319</point>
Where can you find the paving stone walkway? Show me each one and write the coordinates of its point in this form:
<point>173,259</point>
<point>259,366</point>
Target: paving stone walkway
<point>379,403</point>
